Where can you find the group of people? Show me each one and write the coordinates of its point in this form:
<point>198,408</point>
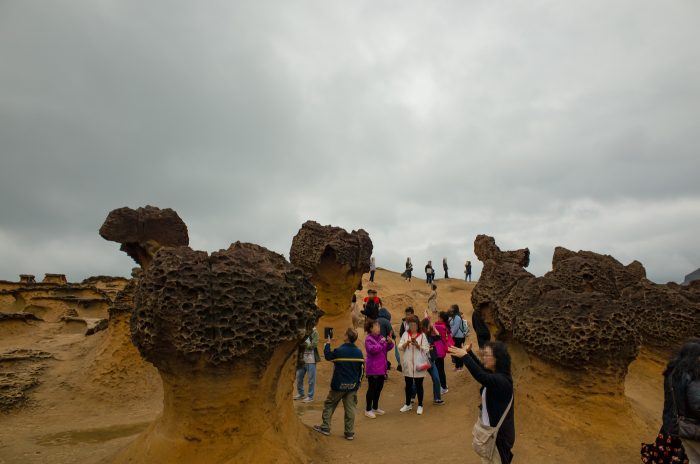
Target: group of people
<point>420,352</point>
<point>429,271</point>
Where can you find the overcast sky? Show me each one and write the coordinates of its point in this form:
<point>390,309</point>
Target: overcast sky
<point>542,123</point>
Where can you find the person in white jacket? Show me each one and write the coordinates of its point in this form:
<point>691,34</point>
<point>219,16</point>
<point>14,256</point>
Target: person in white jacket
<point>415,362</point>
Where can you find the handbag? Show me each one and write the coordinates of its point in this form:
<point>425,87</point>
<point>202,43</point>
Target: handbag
<point>688,428</point>
<point>484,436</point>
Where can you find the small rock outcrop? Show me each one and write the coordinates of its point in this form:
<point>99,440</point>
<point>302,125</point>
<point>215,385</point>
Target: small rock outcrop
<point>335,260</point>
<point>693,276</point>
<point>56,279</point>
<point>144,230</point>
<point>20,371</point>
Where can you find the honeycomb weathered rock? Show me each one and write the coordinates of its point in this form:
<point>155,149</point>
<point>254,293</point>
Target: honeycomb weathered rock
<point>144,230</point>
<point>335,260</point>
<point>211,309</point>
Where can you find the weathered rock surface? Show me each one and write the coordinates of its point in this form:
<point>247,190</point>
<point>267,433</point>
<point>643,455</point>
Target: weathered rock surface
<point>18,317</point>
<point>92,325</point>
<point>222,330</point>
<point>144,230</point>
<point>20,371</point>
<point>589,314</point>
<point>335,260</point>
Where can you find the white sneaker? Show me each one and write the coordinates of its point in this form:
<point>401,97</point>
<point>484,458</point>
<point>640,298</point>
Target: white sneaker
<point>405,407</point>
<point>443,391</point>
<point>308,399</point>
<point>419,410</point>
<point>298,397</point>
<point>378,412</point>
<point>370,414</point>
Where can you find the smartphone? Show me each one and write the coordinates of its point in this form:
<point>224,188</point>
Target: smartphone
<point>328,332</point>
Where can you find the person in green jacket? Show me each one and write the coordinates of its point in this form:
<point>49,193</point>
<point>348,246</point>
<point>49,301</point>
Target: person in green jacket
<point>306,364</point>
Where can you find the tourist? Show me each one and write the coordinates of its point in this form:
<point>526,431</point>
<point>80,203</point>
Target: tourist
<point>468,271</point>
<point>347,375</point>
<point>496,393</point>
<point>682,395</point>
<point>355,313</point>
<point>377,348</point>
<point>460,332</point>
<point>433,338</point>
<point>385,328</point>
<point>444,267</point>
<point>372,269</point>
<point>442,325</point>
<point>415,362</point>
<point>409,270</point>
<point>432,301</point>
<point>372,303</point>
<point>408,312</point>
<point>306,364</point>
<point>429,272</point>
<point>483,334</point>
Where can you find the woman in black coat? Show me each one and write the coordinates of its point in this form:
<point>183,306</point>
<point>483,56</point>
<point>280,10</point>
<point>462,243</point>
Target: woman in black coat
<point>496,390</point>
<point>682,393</point>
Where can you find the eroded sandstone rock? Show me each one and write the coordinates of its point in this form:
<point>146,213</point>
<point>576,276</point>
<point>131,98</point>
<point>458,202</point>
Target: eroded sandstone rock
<point>144,230</point>
<point>222,330</point>
<point>335,260</point>
<point>20,371</point>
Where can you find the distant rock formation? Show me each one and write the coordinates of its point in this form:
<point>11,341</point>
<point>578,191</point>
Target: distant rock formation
<point>144,230</point>
<point>335,260</point>
<point>589,314</point>
<point>695,275</point>
<point>221,330</point>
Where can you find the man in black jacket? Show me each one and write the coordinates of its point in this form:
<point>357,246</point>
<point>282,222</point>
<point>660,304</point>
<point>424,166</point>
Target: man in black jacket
<point>348,371</point>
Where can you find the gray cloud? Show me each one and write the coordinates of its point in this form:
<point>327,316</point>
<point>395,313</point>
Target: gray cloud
<point>552,124</point>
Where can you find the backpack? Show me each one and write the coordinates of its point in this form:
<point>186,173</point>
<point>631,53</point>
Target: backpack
<point>464,327</point>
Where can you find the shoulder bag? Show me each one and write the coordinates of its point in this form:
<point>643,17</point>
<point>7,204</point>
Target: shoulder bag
<point>688,429</point>
<point>484,436</point>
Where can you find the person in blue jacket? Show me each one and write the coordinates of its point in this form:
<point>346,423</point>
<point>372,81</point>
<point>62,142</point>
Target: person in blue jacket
<point>348,371</point>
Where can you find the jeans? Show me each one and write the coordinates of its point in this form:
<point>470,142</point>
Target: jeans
<point>440,365</point>
<point>437,394</point>
<point>396,354</point>
<point>446,277</point>
<point>411,384</point>
<point>311,370</point>
<point>376,383</point>
<point>458,362</point>
<point>349,400</point>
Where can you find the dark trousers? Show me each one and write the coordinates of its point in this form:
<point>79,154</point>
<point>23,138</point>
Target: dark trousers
<point>410,382</point>
<point>376,383</point>
<point>440,363</point>
<point>458,362</point>
<point>446,276</point>
<point>371,276</point>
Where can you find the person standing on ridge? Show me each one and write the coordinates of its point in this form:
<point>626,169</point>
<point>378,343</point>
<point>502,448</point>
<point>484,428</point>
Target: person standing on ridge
<point>372,269</point>
<point>409,270</point>
<point>429,273</point>
<point>444,267</point>
<point>468,271</point>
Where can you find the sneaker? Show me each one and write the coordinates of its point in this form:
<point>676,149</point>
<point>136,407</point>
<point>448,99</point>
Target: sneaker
<point>320,429</point>
<point>443,391</point>
<point>405,407</point>
<point>370,414</point>
<point>419,411</point>
<point>378,412</point>
<point>349,436</point>
<point>298,397</point>
<point>439,402</point>
<point>308,399</point>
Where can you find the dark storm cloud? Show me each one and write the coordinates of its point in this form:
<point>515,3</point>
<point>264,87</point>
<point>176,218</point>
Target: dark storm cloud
<point>542,124</point>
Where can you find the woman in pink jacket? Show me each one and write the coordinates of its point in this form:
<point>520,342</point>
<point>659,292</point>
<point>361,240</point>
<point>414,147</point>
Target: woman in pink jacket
<point>442,325</point>
<point>377,348</point>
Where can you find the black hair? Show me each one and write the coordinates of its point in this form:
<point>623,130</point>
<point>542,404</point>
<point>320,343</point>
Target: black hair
<point>500,353</point>
<point>369,323</point>
<point>409,309</point>
<point>425,326</point>
<point>455,310</point>
<point>445,317</point>
<point>685,361</point>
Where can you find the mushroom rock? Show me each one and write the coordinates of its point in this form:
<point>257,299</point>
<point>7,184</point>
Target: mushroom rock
<point>222,329</point>
<point>573,317</point>
<point>335,260</point>
<point>144,230</point>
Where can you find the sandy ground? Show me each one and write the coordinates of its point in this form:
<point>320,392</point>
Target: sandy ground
<point>94,398</point>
